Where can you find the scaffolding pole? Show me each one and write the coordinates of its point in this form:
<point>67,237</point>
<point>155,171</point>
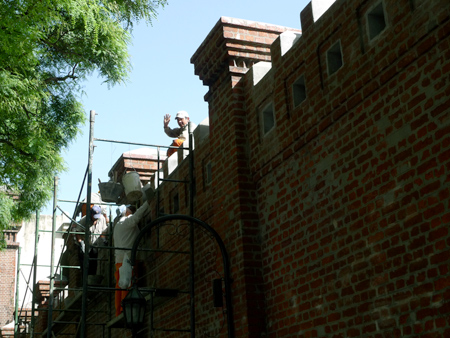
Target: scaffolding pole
<point>87,228</point>
<point>191,233</point>
<point>52,262</point>
<point>34,267</point>
<point>16,313</point>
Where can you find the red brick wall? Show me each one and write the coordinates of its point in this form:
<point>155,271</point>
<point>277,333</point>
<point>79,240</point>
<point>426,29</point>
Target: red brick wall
<point>336,221</point>
<point>351,188</point>
<point>8,278</point>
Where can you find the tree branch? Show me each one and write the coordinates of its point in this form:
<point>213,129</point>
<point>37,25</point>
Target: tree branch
<point>60,78</point>
<point>28,112</point>
<point>22,152</point>
<point>71,75</point>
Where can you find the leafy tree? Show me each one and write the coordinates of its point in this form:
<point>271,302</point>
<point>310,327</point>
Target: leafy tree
<point>47,49</point>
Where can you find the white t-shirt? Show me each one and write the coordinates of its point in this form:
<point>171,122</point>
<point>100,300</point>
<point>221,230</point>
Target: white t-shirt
<point>126,232</point>
<point>181,133</point>
<point>96,229</point>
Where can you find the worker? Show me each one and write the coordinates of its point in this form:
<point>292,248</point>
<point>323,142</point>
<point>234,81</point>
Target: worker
<point>105,213</point>
<point>125,233</point>
<point>120,212</point>
<point>98,230</point>
<point>182,133</point>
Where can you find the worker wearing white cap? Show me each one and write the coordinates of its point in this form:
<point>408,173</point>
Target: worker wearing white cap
<point>182,133</point>
<point>125,233</point>
<point>98,230</point>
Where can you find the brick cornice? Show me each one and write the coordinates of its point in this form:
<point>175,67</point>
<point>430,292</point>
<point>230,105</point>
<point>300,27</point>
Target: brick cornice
<point>11,238</point>
<point>233,46</point>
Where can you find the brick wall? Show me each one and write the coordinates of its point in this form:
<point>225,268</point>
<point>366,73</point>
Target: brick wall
<point>337,219</point>
<point>8,281</point>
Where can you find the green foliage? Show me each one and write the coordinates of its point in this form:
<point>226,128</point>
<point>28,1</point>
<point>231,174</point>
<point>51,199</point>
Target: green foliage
<point>47,49</point>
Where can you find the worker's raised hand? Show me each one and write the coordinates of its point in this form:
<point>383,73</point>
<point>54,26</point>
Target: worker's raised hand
<point>166,120</point>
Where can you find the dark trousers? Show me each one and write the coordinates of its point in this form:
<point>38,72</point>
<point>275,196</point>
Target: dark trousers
<point>92,270</point>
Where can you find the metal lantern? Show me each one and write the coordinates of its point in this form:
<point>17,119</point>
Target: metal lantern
<point>134,309</point>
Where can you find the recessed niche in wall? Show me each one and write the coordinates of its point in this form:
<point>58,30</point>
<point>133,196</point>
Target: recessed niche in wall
<point>208,174</point>
<point>176,203</point>
<point>268,118</point>
<point>299,91</point>
<point>334,58</point>
<point>376,22</point>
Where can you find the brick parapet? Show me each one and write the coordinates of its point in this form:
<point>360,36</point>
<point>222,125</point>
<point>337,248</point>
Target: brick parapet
<point>350,181</point>
<point>354,142</point>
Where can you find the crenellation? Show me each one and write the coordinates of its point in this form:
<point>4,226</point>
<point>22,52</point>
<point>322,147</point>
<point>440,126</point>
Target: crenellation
<point>287,40</point>
<point>259,70</point>
<point>306,18</point>
<point>319,7</point>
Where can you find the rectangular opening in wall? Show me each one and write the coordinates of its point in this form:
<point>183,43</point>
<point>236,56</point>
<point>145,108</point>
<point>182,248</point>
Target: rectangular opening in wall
<point>299,91</point>
<point>376,22</point>
<point>207,174</point>
<point>176,203</point>
<point>334,58</point>
<point>268,118</point>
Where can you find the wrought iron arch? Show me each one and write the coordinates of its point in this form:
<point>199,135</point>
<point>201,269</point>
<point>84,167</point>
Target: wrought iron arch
<point>215,235</point>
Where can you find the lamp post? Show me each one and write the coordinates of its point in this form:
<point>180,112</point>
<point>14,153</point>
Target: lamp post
<point>134,309</point>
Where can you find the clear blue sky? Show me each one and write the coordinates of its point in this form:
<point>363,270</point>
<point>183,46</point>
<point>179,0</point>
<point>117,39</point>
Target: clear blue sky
<point>162,81</point>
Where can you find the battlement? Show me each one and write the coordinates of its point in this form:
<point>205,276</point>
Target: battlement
<point>327,159</point>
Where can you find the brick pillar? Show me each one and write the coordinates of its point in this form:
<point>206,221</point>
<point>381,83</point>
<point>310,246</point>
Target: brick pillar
<point>226,55</point>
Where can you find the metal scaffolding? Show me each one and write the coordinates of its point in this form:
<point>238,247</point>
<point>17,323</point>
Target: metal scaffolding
<point>76,312</point>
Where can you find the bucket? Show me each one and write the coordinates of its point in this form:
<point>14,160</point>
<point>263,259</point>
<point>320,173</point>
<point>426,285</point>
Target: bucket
<point>110,191</point>
<point>132,184</point>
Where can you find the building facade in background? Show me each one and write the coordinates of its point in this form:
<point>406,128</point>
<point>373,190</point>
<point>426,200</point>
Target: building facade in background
<point>8,269</point>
